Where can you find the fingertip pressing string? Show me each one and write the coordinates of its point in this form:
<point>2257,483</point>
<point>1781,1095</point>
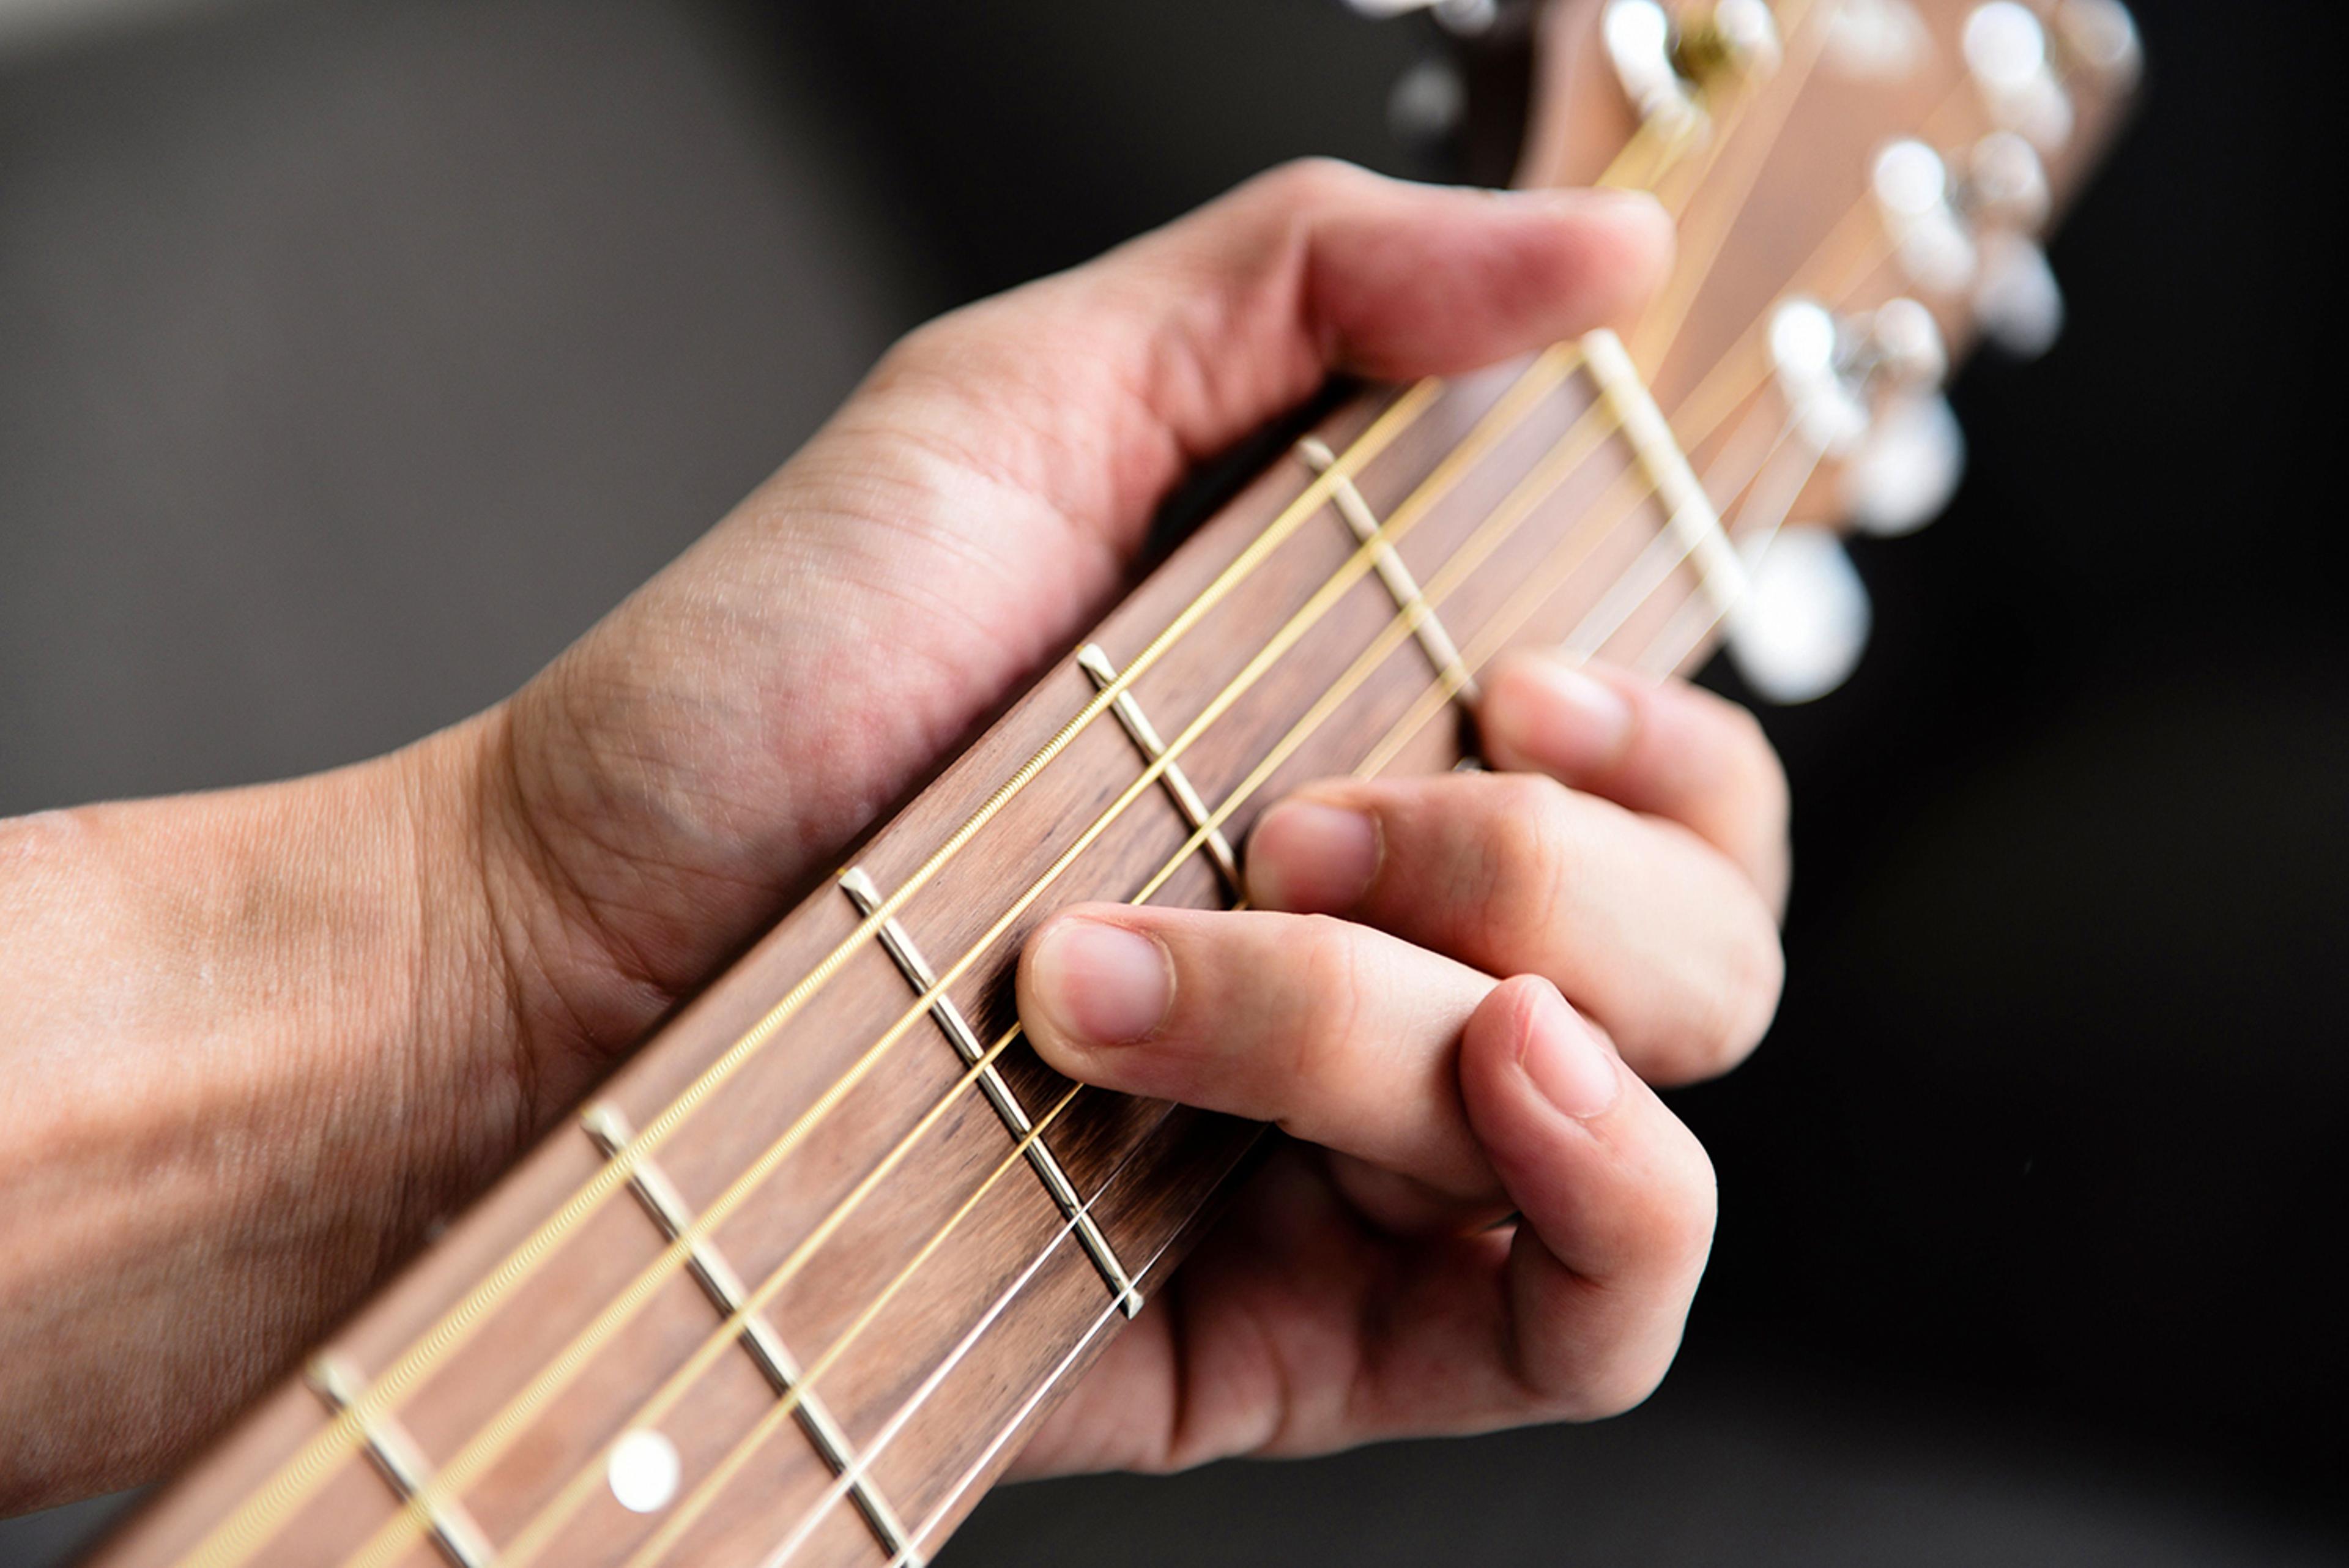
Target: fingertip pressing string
<point>243,1532</point>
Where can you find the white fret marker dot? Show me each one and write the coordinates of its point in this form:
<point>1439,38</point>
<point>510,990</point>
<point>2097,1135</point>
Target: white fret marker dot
<point>643,1471</point>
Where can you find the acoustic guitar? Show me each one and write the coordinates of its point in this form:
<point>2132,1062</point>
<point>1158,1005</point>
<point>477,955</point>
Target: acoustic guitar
<point>789,1290</point>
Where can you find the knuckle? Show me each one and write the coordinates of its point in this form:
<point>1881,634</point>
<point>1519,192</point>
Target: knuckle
<point>1760,777</point>
<point>1310,182</point>
<point>1624,1385</point>
<point>1685,1218</point>
<point>1731,1007</point>
<point>1528,846</point>
<point>1331,995</point>
<point>1754,975</point>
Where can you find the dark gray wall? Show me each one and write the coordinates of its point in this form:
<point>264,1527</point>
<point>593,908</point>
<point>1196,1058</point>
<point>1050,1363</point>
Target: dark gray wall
<point>353,355</point>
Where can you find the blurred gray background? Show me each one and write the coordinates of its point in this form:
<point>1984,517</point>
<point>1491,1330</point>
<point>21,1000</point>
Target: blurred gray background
<point>355,356</point>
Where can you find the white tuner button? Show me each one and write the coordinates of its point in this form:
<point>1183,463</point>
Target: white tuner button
<point>2101,36</point>
<point>1876,40</point>
<point>1806,352</point>
<point>1905,345</point>
<point>1912,190</point>
<point>1748,35</point>
<point>1638,38</point>
<point>1803,624</point>
<point>2017,299</point>
<point>2006,51</point>
<point>1903,475</point>
<point>2006,184</point>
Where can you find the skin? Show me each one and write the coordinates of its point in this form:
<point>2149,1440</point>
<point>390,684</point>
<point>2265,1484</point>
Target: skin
<point>256,1040</point>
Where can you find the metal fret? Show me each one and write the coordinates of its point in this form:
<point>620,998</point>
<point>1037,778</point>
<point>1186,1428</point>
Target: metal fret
<point>403,1465</point>
<point>1689,519</point>
<point>1442,651</point>
<point>866,897</point>
<point>611,1132</point>
<point>1096,663</point>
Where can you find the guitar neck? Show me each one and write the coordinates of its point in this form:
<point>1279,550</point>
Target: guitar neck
<point>876,1233</point>
<point>796,1284</point>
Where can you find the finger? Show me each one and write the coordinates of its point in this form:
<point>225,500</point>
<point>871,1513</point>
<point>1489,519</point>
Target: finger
<point>1199,332</point>
<point>1648,928</point>
<point>1190,338</point>
<point>1665,748</point>
<point>1341,1035</point>
<point>1615,1197</point>
<point>962,517</point>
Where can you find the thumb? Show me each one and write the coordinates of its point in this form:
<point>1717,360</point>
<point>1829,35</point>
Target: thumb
<point>697,758</point>
<point>1171,347</point>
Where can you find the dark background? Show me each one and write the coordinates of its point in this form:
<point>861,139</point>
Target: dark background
<point>356,354</point>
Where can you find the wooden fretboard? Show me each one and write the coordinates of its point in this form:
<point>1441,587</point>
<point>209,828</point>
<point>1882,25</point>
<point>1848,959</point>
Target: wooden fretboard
<point>795,1284</point>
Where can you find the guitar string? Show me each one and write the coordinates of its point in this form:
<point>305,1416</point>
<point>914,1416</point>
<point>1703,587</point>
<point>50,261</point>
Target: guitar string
<point>452,1480</point>
<point>1488,642</point>
<point>1660,330</point>
<point>1491,639</point>
<point>869,1453</point>
<point>475,1456</point>
<point>683,1516</point>
<point>266,1508</point>
<point>1561,564</point>
<point>1166,639</point>
<point>1546,372</point>
<point>1573,448</point>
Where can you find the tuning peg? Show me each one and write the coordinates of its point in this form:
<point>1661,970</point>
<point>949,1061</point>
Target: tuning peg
<point>1639,43</point>
<point>1876,40</point>
<point>2017,298</point>
<point>1469,18</point>
<point>1803,622</point>
<point>1901,347</point>
<point>2006,51</point>
<point>1806,352</point>
<point>1737,37</point>
<point>1426,103</point>
<point>2006,184</point>
<point>2101,37</point>
<point>1903,475</point>
<point>1912,190</point>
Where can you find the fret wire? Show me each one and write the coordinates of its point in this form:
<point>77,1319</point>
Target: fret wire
<point>683,1515</point>
<point>1539,378</point>
<point>1577,445</point>
<point>1715,615</point>
<point>1487,648</point>
<point>1019,1417</point>
<point>266,1508</point>
<point>1661,326</point>
<point>961,1349</point>
<point>489,1442</point>
<point>1401,622</point>
<point>1524,498</point>
<point>264,1511</point>
<point>1571,448</point>
<point>928,1387</point>
<point>1495,634</point>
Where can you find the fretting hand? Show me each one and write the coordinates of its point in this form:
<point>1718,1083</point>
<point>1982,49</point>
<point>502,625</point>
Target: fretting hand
<point>258,1040</point>
<point>1360,1288</point>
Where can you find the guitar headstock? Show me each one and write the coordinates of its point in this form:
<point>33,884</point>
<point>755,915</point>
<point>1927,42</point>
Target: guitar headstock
<point>1863,189</point>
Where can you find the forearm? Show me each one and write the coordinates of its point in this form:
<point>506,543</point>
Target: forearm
<point>254,1042</point>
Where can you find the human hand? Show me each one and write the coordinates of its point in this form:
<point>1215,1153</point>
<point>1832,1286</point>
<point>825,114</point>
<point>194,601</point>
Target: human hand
<point>1366,1284</point>
<point>260,1040</point>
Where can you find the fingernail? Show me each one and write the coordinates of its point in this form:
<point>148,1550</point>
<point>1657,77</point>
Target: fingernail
<point>1568,1064</point>
<point>1103,984</point>
<point>1564,719</point>
<point>1306,855</point>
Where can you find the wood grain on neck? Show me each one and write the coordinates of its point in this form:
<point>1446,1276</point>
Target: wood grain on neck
<point>920,1290</point>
